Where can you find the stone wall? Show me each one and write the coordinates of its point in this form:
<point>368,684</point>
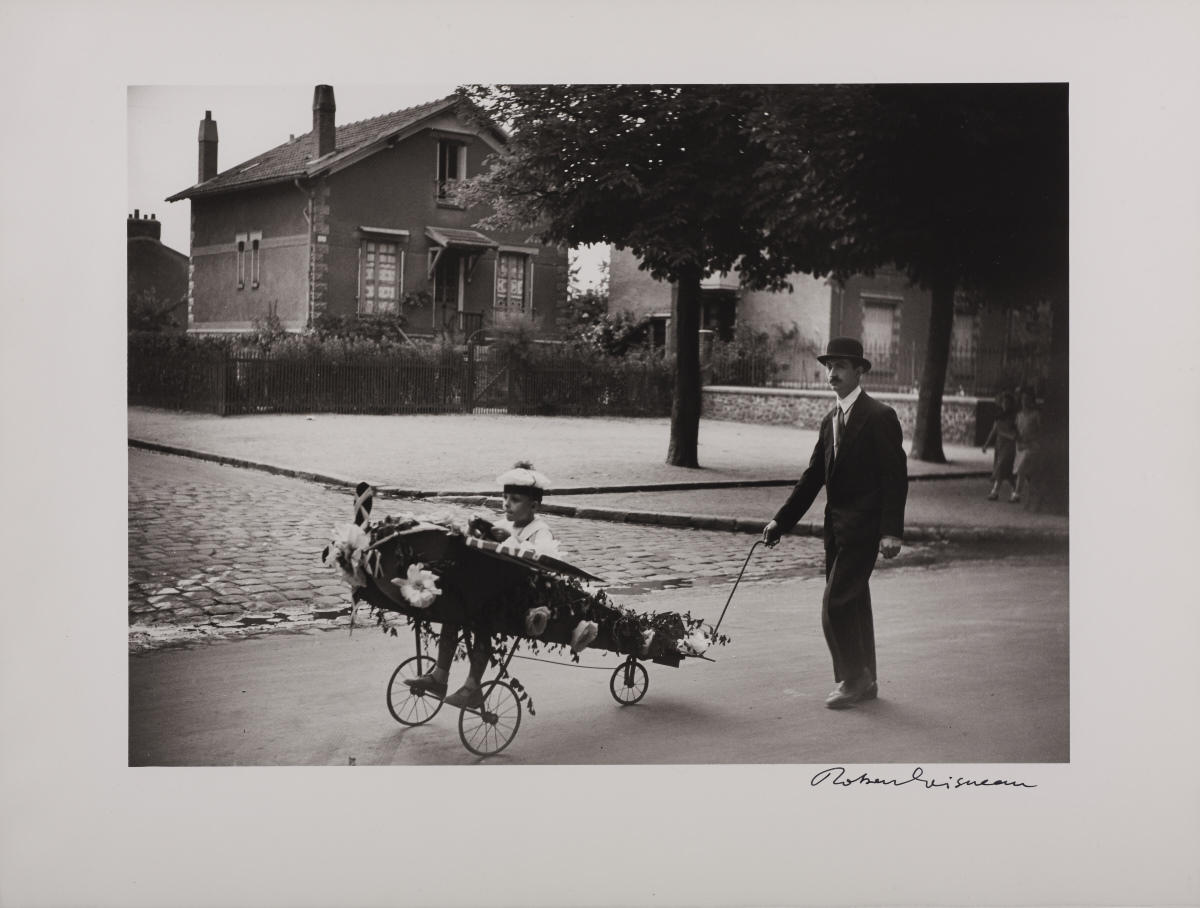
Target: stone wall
<point>806,409</point>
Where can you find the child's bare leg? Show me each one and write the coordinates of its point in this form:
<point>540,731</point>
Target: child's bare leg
<point>447,644</point>
<point>469,695</point>
<point>481,654</point>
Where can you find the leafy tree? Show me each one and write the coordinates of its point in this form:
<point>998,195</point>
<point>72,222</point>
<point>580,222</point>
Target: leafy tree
<point>664,171</point>
<point>960,186</point>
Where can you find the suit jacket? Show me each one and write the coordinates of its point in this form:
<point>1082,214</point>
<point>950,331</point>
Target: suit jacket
<point>867,484</point>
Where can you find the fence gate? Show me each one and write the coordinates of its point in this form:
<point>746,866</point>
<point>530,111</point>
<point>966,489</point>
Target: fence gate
<point>487,382</point>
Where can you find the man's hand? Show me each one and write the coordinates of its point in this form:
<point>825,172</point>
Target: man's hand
<point>889,547</point>
<point>771,534</point>
<point>499,534</point>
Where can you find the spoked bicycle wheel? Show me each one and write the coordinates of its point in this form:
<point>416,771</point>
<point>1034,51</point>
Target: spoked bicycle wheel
<point>407,706</point>
<point>485,732</point>
<point>629,682</point>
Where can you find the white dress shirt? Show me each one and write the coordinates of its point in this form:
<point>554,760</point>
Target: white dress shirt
<point>844,404</point>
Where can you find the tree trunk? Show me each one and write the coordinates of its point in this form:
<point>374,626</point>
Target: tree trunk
<point>927,433</point>
<point>685,404</point>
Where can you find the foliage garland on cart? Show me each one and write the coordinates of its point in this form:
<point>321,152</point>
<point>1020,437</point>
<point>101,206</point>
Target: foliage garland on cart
<point>433,569</point>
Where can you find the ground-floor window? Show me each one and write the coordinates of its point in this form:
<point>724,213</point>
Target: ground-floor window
<point>512,281</point>
<point>381,277</point>
<point>879,333</point>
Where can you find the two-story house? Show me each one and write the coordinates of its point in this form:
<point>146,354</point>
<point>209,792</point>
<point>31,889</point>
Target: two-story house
<point>359,218</point>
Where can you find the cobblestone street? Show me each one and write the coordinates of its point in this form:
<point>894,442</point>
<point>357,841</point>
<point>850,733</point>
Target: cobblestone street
<point>224,551</point>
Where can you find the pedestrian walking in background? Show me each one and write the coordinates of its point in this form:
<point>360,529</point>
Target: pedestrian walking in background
<point>860,461</point>
<point>1029,438</point>
<point>1003,438</point>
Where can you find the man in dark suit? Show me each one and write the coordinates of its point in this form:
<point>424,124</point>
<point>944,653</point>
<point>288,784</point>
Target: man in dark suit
<point>859,460</point>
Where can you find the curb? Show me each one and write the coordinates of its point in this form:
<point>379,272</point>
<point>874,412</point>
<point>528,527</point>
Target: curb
<point>244,464</point>
<point>663,486</point>
<point>919,533</point>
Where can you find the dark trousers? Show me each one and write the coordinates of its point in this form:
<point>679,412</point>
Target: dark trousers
<point>846,608</point>
<point>480,650</point>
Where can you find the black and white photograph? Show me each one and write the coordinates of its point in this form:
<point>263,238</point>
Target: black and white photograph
<point>498,422</point>
<point>768,474</point>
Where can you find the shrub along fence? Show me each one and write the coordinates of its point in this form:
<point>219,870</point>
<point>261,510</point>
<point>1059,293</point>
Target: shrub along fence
<point>228,380</point>
<point>974,370</point>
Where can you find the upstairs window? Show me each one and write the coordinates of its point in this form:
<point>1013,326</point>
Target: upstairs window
<point>512,281</point>
<point>240,241</point>
<point>381,277</point>
<point>255,246</point>
<point>451,168</point>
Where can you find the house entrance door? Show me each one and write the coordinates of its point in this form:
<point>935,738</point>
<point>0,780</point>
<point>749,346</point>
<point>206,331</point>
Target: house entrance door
<point>448,291</point>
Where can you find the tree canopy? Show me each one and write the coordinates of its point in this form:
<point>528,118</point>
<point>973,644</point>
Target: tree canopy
<point>963,187</point>
<point>664,171</point>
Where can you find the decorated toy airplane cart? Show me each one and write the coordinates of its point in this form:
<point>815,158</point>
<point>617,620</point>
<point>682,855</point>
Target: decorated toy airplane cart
<point>432,571</point>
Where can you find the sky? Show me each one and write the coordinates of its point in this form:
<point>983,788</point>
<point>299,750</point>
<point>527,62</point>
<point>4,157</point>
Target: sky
<point>163,122</point>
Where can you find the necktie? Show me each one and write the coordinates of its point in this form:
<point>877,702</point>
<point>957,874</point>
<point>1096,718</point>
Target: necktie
<point>841,431</point>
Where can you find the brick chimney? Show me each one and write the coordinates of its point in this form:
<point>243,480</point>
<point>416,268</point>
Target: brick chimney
<point>208,147</point>
<point>138,224</point>
<point>323,125</point>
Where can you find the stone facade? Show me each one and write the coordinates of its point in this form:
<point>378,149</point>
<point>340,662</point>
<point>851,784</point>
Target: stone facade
<point>319,251</point>
<point>806,409</point>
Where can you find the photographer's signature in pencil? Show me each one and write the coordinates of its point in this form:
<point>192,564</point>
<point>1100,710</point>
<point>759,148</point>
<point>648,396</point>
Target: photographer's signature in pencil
<point>837,775</point>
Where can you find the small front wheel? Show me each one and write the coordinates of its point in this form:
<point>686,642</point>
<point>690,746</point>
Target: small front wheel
<point>629,682</point>
<point>487,731</point>
<point>408,706</point>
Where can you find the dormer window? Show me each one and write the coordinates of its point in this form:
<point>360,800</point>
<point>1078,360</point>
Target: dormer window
<point>451,168</point>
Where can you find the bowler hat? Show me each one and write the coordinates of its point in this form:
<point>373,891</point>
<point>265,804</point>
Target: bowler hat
<point>845,348</point>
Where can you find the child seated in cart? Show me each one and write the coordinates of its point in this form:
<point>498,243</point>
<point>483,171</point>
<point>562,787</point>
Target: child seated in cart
<point>523,489</point>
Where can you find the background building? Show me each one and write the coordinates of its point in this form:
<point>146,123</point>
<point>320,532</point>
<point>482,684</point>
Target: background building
<point>156,276</point>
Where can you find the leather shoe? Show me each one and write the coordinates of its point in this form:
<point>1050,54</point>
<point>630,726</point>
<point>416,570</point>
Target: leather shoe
<point>847,693</point>
<point>426,684</point>
<point>466,697</point>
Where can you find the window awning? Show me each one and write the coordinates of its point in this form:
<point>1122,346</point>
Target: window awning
<point>457,238</point>
<point>470,243</point>
<point>384,231</point>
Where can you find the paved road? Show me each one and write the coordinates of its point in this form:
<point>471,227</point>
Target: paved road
<point>973,668</point>
<point>973,653</point>
<point>212,547</point>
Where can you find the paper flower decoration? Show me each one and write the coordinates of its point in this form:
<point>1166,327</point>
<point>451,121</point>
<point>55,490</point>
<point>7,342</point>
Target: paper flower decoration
<point>536,620</point>
<point>647,639</point>
<point>345,552</point>
<point>583,635</point>
<point>694,644</point>
<point>419,586</point>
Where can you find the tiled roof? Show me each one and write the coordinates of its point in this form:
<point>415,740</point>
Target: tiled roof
<point>296,158</point>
